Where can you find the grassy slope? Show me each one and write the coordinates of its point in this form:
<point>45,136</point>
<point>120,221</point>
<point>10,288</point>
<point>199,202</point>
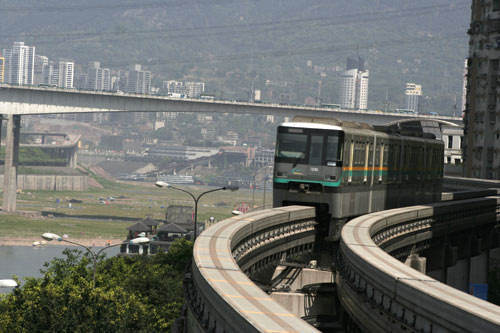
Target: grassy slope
<point>140,200</point>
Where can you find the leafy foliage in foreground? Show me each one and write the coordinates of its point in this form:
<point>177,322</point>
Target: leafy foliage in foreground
<point>132,294</point>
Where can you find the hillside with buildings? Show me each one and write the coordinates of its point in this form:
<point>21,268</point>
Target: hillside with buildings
<point>291,51</point>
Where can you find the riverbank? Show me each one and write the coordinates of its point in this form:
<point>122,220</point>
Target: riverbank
<point>28,241</point>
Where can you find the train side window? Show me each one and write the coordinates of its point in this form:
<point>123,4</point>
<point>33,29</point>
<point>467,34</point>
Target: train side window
<point>316,150</point>
<point>333,151</point>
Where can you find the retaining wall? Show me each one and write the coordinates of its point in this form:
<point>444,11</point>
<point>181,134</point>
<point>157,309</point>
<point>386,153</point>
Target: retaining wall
<point>51,182</point>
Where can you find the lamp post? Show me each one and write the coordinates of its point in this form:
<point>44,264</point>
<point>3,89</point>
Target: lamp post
<point>196,199</point>
<point>136,241</point>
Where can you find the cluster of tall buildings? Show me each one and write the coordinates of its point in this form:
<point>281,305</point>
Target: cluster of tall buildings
<point>20,65</point>
<point>354,88</point>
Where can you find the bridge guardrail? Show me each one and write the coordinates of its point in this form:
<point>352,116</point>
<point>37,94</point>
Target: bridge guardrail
<point>222,298</point>
<point>384,294</point>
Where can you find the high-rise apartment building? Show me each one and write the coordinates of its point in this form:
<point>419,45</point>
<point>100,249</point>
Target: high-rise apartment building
<point>413,93</point>
<point>2,68</point>
<point>80,80</point>
<point>22,64</point>
<point>139,81</point>
<point>98,78</point>
<point>7,54</point>
<point>194,89</point>
<point>66,72</point>
<point>189,89</point>
<point>354,85</point>
<point>40,71</point>
<point>174,87</point>
<point>482,110</point>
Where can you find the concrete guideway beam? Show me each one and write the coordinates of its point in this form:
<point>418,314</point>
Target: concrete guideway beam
<point>383,294</point>
<point>220,297</point>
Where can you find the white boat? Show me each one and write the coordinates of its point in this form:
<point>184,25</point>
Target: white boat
<point>176,179</point>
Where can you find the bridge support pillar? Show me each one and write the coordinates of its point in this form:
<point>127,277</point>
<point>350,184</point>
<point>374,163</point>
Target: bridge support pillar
<point>458,275</point>
<point>479,268</point>
<point>416,262</point>
<point>439,259</point>
<point>11,163</point>
<point>73,158</point>
<point>495,258</point>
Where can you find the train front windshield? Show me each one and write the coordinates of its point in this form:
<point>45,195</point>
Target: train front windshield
<point>309,146</point>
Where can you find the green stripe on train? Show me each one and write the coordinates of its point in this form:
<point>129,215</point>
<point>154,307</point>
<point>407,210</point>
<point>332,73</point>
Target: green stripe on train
<point>324,183</point>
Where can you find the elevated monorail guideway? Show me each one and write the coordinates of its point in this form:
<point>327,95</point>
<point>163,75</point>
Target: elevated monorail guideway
<point>382,294</point>
<point>220,296</point>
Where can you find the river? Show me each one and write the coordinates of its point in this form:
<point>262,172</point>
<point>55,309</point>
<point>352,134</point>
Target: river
<point>26,261</point>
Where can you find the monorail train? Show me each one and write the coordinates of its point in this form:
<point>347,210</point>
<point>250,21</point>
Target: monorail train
<point>348,169</point>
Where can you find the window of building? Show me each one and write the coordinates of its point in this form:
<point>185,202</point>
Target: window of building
<point>450,141</point>
<point>495,6</point>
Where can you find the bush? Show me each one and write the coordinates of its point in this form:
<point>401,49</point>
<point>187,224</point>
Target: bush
<point>132,294</point>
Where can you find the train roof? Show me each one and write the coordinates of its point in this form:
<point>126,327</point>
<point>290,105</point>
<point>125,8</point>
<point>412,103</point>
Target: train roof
<point>350,126</point>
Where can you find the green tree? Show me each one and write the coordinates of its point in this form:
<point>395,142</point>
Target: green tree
<point>132,294</point>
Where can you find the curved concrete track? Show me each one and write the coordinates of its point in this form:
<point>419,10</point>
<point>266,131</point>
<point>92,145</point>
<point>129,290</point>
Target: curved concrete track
<point>221,297</point>
<point>378,291</point>
<point>382,294</point>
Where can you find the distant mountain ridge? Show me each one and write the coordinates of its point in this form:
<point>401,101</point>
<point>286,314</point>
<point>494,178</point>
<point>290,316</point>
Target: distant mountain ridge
<point>232,45</point>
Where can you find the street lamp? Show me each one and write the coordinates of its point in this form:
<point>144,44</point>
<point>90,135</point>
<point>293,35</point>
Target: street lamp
<point>8,283</point>
<point>196,199</point>
<point>136,241</point>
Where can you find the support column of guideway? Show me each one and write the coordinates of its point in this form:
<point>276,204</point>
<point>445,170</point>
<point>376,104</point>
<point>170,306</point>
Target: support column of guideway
<point>458,275</point>
<point>72,157</point>
<point>463,263</point>
<point>439,258</point>
<point>11,163</point>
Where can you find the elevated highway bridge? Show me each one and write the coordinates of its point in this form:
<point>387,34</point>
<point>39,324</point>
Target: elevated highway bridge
<point>376,290</point>
<point>16,101</point>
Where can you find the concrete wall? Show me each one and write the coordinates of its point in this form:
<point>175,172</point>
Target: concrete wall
<point>307,276</point>
<point>51,182</point>
<point>305,305</point>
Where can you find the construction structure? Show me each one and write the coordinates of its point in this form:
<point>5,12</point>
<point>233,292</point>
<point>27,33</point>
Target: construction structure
<point>482,113</point>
